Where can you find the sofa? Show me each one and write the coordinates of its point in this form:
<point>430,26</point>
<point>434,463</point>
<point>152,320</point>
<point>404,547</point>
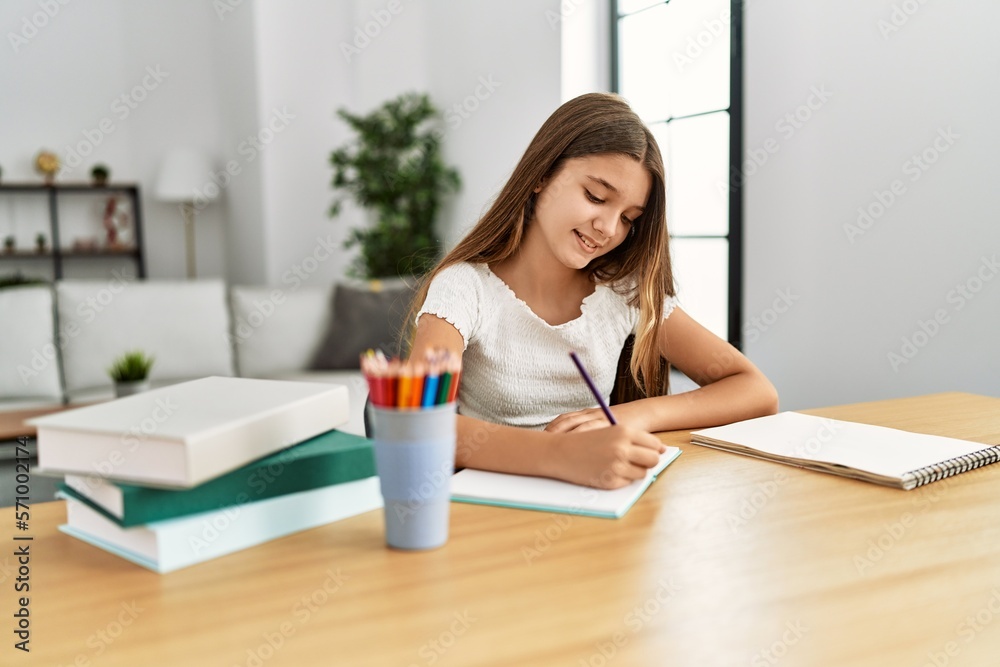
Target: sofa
<point>57,341</point>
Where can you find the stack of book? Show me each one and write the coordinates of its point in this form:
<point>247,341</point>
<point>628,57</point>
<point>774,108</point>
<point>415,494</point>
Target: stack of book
<point>179,475</point>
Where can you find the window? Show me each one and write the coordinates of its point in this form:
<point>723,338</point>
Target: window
<point>679,64</point>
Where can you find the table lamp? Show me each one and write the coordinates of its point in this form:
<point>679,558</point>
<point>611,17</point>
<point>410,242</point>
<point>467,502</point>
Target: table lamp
<point>185,179</point>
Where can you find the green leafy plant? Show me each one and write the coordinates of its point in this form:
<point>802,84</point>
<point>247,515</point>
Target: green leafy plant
<point>131,367</point>
<point>18,279</point>
<point>9,242</point>
<point>40,241</point>
<point>394,168</point>
<point>100,173</point>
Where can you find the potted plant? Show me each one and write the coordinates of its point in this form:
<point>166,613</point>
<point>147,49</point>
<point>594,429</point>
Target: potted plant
<point>40,242</point>
<point>130,373</point>
<point>9,244</point>
<point>99,173</point>
<point>394,168</point>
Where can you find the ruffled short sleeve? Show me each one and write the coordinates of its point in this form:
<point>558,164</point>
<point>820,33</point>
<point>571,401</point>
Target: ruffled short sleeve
<point>455,295</point>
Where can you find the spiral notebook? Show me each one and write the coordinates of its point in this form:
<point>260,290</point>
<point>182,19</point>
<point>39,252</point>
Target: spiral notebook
<point>876,454</point>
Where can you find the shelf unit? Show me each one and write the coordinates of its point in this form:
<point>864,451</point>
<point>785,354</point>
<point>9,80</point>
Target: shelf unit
<point>56,253</point>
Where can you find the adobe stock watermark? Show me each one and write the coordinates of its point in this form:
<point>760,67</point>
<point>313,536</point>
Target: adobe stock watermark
<point>244,326</point>
<point>121,108</point>
<point>758,324</point>
<point>634,621</point>
<point>959,297</point>
<point>454,116</point>
<point>545,538</point>
<point>914,167</point>
<point>967,630</point>
<point>370,30</point>
<point>786,126</point>
<point>33,24</point>
<point>302,611</point>
<point>900,15</point>
<point>225,7</point>
<point>101,639</point>
<point>459,112</point>
<point>248,149</point>
<point>893,532</point>
<point>779,648</point>
<point>751,505</point>
<point>434,649</point>
<point>698,44</point>
<point>88,310</point>
<point>566,9</point>
<point>163,409</point>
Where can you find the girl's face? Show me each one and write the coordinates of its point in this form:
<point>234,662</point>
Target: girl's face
<point>586,209</point>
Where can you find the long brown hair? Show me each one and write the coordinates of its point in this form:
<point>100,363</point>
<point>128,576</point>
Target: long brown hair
<point>591,124</point>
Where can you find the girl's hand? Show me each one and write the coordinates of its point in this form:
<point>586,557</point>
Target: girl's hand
<point>581,420</point>
<point>591,418</point>
<point>606,458</point>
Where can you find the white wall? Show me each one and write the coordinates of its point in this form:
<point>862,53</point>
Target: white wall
<point>71,74</point>
<point>495,71</point>
<point>493,68</point>
<point>856,296</point>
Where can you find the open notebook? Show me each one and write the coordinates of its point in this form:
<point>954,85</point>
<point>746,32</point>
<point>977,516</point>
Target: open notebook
<point>871,453</point>
<point>549,495</point>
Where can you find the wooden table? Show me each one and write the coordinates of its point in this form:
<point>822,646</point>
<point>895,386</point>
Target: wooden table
<point>726,560</point>
<point>12,424</point>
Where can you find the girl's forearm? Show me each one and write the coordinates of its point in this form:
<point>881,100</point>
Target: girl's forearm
<point>734,398</point>
<point>487,446</point>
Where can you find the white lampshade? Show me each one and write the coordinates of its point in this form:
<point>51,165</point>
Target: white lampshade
<point>185,176</point>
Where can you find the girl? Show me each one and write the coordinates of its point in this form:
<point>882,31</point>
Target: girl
<point>573,255</point>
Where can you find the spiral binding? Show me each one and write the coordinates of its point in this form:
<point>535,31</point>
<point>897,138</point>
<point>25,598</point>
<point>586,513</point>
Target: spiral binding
<point>954,466</point>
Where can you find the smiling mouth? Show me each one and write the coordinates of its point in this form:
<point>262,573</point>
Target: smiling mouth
<point>590,244</point>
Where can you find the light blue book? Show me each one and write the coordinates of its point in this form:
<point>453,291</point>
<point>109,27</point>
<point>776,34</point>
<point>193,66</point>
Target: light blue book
<point>164,546</point>
<point>481,487</point>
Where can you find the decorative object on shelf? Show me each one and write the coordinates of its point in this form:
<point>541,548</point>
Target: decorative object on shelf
<point>394,168</point>
<point>62,253</point>
<point>185,179</point>
<point>85,244</point>
<point>9,244</point>
<point>115,221</point>
<point>41,242</point>
<point>99,173</point>
<point>130,373</point>
<point>47,164</point>
<point>1,174</point>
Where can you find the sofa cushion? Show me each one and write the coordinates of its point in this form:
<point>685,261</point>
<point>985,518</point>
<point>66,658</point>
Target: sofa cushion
<point>278,331</point>
<point>184,325</point>
<point>371,316</point>
<point>29,358</point>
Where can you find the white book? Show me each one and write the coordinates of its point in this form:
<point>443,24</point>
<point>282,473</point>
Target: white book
<point>184,434</point>
<point>164,546</point>
<point>482,487</point>
<point>878,454</point>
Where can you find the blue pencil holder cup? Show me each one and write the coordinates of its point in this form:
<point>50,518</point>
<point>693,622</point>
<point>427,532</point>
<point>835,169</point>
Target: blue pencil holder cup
<point>415,459</point>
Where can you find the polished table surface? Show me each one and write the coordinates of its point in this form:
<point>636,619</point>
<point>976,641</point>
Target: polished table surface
<point>726,560</point>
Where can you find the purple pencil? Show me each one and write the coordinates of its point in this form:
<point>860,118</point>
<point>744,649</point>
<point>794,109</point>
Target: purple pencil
<point>593,388</point>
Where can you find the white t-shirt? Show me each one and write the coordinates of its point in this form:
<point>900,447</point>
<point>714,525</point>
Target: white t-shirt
<point>516,368</point>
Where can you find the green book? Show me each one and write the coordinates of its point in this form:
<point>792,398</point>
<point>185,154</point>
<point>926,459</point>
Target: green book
<point>331,458</point>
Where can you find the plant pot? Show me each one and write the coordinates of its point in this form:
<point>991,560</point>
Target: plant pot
<point>100,182</point>
<point>130,388</point>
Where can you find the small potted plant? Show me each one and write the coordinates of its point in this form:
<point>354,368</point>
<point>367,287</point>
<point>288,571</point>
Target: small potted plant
<point>9,244</point>
<point>40,242</point>
<point>130,373</point>
<point>100,173</point>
